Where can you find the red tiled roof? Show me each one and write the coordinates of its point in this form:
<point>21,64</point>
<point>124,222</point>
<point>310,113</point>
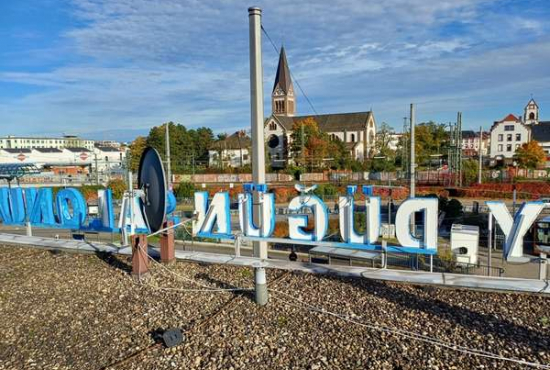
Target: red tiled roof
<point>510,117</point>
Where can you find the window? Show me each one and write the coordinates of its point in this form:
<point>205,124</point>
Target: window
<point>500,147</point>
<point>500,137</point>
<point>518,137</point>
<point>509,128</point>
<point>273,126</point>
<point>509,137</point>
<point>509,147</point>
<point>531,115</point>
<point>273,141</point>
<point>353,138</point>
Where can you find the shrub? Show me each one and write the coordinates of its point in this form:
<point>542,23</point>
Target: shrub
<point>118,187</point>
<point>184,190</point>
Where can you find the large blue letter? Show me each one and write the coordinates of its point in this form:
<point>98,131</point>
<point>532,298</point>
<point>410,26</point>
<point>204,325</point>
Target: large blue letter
<point>67,199</point>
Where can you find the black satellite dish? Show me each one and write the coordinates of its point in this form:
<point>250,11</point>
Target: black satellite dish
<point>152,182</point>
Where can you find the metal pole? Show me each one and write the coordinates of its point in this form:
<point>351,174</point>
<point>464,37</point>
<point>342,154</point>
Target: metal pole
<point>260,284</point>
<point>459,147</point>
<point>542,266</point>
<point>168,161</point>
<point>489,243</point>
<point>257,113</point>
<point>412,161</point>
<point>96,170</point>
<point>514,193</point>
<point>480,155</point>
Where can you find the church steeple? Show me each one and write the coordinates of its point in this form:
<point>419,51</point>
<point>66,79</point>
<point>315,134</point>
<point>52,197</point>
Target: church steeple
<point>531,113</point>
<point>282,97</point>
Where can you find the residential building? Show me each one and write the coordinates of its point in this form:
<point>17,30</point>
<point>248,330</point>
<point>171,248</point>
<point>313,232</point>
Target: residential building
<point>471,142</point>
<point>507,135</point>
<point>357,130</point>
<point>233,151</point>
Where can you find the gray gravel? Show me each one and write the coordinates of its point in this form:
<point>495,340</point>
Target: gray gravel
<point>68,311</point>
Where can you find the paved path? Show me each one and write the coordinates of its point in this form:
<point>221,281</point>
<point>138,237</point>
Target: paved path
<point>451,280</point>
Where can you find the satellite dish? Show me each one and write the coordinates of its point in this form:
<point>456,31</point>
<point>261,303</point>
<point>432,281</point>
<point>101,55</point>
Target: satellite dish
<point>152,182</point>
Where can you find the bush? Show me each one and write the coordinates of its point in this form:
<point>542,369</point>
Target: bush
<point>118,187</point>
<point>326,190</point>
<point>184,190</point>
<point>90,191</point>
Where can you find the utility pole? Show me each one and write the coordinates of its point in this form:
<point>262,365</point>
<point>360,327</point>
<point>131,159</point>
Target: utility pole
<point>303,144</point>
<point>459,147</point>
<point>405,154</point>
<point>258,144</point>
<point>480,155</point>
<point>412,160</point>
<point>412,156</point>
<point>168,164</point>
<point>96,170</point>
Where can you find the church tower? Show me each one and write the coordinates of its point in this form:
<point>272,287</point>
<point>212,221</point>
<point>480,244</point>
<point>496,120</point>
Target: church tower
<point>283,101</point>
<point>531,113</point>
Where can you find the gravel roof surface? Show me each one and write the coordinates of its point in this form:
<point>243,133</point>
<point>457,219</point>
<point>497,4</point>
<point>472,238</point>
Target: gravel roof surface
<point>69,311</point>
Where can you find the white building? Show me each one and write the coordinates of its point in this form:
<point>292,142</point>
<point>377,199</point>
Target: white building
<point>31,142</point>
<point>106,159</point>
<point>471,142</point>
<point>356,130</point>
<point>507,135</point>
<point>233,151</point>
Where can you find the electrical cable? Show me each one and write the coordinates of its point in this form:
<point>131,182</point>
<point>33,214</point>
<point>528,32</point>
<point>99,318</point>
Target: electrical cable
<point>419,337</point>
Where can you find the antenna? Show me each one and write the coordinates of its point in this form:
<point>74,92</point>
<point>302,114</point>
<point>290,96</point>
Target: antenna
<point>152,182</point>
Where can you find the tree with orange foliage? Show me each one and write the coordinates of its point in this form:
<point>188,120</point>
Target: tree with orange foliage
<point>530,155</point>
<point>313,149</point>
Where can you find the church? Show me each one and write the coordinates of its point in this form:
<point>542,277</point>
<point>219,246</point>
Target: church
<point>357,130</point>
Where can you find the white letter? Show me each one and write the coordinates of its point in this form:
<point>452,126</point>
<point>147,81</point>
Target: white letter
<point>403,220</point>
<point>246,219</point>
<point>372,227</point>
<point>514,229</point>
<point>296,223</point>
<point>215,214</point>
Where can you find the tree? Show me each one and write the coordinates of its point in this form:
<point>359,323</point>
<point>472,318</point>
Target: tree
<point>310,147</point>
<point>431,138</point>
<point>187,147</point>
<point>136,149</point>
<point>470,171</point>
<point>530,155</point>
<point>384,159</point>
<point>118,187</point>
<point>383,140</point>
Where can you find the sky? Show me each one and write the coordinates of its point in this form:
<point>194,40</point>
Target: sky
<point>112,69</point>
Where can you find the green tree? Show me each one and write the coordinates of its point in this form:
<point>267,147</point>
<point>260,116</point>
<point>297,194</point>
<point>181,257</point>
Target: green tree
<point>470,169</point>
<point>530,155</point>
<point>187,147</point>
<point>136,149</point>
<point>383,140</point>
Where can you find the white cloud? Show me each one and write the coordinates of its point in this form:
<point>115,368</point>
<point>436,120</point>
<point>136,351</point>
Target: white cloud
<point>141,62</point>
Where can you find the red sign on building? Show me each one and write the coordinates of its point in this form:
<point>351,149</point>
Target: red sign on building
<point>21,157</point>
<point>83,156</point>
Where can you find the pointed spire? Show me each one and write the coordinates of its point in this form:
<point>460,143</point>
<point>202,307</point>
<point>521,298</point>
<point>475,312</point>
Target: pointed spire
<point>283,80</point>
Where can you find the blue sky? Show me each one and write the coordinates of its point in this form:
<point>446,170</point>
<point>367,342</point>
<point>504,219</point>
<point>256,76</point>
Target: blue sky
<point>112,69</point>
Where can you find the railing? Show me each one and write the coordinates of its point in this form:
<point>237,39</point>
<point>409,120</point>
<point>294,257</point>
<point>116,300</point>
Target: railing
<point>421,263</point>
